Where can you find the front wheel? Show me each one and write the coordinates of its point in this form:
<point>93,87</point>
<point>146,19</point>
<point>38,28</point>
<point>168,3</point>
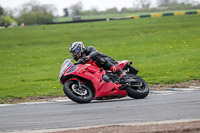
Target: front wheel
<point>76,94</point>
<point>138,92</point>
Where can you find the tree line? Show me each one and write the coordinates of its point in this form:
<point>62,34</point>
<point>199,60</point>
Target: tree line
<point>35,13</point>
<point>30,13</point>
<point>138,6</point>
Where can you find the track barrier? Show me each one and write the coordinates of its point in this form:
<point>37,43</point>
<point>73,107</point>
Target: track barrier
<point>132,17</point>
<point>165,14</point>
<point>91,20</point>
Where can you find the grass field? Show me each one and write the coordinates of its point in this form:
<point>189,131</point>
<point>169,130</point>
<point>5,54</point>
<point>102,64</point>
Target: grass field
<point>165,50</point>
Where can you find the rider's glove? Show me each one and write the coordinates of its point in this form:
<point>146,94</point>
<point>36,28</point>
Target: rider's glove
<point>83,60</point>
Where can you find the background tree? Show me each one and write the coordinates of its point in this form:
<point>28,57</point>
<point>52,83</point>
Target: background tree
<point>1,13</point>
<point>111,10</point>
<point>165,3</point>
<point>92,11</point>
<point>1,10</point>
<point>127,10</point>
<point>6,20</point>
<point>95,10</point>
<point>35,7</point>
<point>76,8</point>
<point>35,13</point>
<point>66,13</point>
<point>9,12</point>
<point>144,3</point>
<point>6,17</point>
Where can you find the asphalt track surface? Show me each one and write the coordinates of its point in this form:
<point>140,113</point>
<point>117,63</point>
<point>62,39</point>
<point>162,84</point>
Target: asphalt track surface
<point>158,106</point>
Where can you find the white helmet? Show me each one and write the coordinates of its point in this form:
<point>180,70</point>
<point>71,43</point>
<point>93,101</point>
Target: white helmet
<point>76,49</point>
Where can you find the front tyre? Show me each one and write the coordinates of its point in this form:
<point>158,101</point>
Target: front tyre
<point>138,92</point>
<point>76,94</point>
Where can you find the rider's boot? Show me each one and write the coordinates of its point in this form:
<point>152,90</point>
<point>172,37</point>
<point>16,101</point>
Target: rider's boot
<point>119,72</point>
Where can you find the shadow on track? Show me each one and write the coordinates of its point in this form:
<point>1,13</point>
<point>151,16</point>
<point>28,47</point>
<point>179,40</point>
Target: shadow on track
<point>100,101</point>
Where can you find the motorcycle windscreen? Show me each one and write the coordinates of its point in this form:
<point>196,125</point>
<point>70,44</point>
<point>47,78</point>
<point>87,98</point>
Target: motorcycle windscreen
<point>66,64</point>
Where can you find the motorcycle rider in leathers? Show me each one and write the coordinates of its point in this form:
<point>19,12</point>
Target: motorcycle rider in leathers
<point>83,55</point>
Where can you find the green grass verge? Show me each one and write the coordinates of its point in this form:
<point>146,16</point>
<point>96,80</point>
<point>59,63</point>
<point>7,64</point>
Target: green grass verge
<point>165,50</point>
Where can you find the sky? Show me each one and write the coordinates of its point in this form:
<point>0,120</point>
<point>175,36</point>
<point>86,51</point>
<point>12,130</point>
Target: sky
<point>60,4</point>
<point>87,4</point>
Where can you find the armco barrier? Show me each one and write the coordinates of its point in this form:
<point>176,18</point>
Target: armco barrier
<point>90,20</point>
<point>136,17</point>
<point>194,12</point>
<point>165,14</point>
<point>145,16</point>
<point>179,13</point>
<point>168,14</point>
<point>156,15</point>
<point>131,17</point>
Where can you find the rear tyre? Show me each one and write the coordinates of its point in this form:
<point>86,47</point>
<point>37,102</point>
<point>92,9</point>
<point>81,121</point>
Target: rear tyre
<point>138,92</point>
<point>79,95</point>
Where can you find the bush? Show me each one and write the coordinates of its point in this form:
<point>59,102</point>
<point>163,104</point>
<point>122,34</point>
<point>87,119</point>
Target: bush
<point>6,20</point>
<point>35,18</point>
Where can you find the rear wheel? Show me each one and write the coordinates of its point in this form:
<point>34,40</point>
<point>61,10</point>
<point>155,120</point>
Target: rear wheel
<point>140,91</point>
<point>76,94</point>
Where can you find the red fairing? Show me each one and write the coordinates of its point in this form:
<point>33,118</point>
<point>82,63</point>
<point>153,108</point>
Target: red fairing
<point>92,73</point>
<point>121,64</point>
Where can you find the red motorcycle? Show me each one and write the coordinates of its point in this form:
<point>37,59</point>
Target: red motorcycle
<point>85,82</point>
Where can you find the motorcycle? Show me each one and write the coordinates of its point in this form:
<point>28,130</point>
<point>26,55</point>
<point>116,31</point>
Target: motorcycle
<point>85,82</point>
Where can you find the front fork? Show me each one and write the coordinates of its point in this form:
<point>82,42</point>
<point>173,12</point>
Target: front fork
<point>79,83</point>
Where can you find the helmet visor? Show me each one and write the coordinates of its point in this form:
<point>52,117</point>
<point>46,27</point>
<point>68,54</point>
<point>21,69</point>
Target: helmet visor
<point>76,53</point>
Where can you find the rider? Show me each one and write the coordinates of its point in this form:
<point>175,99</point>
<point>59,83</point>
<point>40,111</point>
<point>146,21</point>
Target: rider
<point>79,52</point>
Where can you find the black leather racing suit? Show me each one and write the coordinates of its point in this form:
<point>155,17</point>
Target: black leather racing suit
<point>102,60</point>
